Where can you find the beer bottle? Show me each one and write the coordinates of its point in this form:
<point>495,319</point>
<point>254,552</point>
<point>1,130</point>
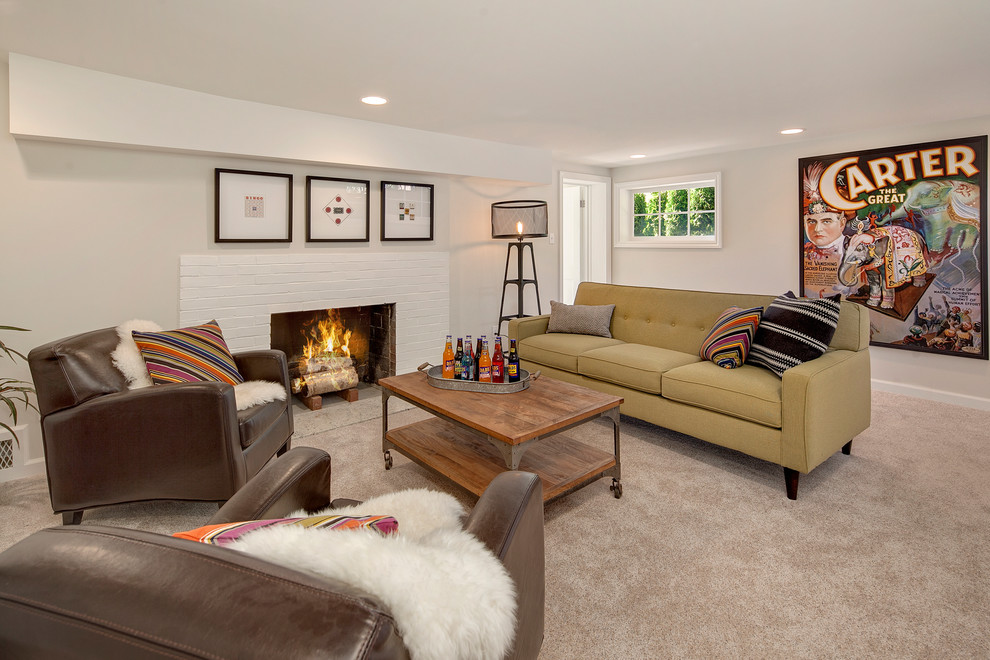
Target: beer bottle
<point>477,358</point>
<point>459,359</point>
<point>484,365</point>
<point>498,362</point>
<point>468,360</point>
<point>512,364</point>
<point>448,360</point>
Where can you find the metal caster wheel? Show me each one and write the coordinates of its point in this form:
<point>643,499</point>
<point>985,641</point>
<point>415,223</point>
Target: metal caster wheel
<point>616,488</point>
<point>388,461</point>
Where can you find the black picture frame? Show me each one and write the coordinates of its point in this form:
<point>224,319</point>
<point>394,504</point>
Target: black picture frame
<point>407,211</point>
<point>337,210</point>
<point>252,207</point>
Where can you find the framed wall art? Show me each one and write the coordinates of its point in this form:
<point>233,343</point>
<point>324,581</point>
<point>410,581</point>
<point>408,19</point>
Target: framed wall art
<point>337,210</point>
<point>253,207</point>
<point>902,231</point>
<point>407,211</point>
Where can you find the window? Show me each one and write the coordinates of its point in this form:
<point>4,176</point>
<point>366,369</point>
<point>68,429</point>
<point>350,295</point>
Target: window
<point>672,212</point>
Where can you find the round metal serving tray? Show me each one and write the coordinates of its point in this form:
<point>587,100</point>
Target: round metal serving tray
<point>434,376</point>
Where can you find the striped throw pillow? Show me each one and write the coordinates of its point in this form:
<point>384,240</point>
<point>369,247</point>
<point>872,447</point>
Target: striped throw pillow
<point>793,331</point>
<point>225,533</point>
<point>188,355</point>
<point>730,338</point>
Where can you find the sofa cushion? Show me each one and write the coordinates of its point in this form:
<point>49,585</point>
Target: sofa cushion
<point>794,330</point>
<point>560,350</point>
<point>749,392</point>
<point>632,365</point>
<point>188,355</point>
<point>580,319</point>
<point>728,342</point>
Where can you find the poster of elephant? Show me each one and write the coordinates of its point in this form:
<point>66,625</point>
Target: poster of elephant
<point>901,231</point>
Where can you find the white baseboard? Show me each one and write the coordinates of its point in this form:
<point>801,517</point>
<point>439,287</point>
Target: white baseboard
<point>980,403</point>
<point>32,468</point>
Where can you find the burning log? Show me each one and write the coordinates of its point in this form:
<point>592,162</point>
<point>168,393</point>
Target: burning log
<point>326,374</point>
<point>325,363</point>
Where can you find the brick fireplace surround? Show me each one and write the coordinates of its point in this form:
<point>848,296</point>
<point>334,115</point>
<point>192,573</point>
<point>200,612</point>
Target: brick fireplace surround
<point>242,291</point>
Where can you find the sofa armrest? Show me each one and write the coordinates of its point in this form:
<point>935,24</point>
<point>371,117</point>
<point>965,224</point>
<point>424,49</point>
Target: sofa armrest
<point>299,479</point>
<point>528,326</point>
<point>826,403</point>
<point>508,518</point>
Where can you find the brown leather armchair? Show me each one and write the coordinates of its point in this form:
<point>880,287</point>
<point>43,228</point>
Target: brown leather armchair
<point>105,444</point>
<point>103,592</point>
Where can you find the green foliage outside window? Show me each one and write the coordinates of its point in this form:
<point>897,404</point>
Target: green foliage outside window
<point>676,212</point>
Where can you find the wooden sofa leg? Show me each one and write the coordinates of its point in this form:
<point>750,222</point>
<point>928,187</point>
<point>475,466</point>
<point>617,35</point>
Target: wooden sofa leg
<point>791,482</point>
<point>71,517</point>
<point>846,448</point>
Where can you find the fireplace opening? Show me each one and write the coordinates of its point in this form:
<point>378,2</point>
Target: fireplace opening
<point>333,350</point>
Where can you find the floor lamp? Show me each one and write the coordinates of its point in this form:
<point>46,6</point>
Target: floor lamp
<point>519,219</point>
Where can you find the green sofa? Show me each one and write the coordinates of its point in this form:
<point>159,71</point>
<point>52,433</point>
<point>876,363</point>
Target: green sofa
<point>652,360</point>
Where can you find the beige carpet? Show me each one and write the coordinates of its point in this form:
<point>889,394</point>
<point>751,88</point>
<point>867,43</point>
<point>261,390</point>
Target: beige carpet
<point>886,553</point>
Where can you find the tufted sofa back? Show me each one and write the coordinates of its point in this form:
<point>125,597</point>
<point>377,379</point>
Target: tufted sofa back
<point>680,320</point>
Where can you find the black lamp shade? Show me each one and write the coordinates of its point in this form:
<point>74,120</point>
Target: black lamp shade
<point>524,218</point>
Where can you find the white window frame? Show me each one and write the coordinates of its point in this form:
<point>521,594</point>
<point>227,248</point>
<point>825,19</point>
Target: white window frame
<point>623,212</point>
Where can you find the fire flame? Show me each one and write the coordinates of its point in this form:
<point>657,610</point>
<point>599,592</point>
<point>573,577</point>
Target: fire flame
<point>327,338</point>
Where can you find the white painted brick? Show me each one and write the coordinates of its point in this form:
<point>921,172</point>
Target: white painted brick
<point>228,259</point>
<point>242,291</point>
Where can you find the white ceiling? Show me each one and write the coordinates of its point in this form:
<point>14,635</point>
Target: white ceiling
<point>591,81</point>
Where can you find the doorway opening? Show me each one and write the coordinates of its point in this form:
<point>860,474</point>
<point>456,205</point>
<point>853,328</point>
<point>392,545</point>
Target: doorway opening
<point>585,245</point>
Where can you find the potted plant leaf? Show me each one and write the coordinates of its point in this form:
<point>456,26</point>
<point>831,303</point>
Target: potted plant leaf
<point>14,392</point>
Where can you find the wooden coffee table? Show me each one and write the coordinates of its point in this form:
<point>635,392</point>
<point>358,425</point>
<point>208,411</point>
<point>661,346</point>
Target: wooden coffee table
<point>474,436</point>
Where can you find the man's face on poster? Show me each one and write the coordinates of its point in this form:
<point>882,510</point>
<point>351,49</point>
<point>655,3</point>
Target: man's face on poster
<point>824,228</point>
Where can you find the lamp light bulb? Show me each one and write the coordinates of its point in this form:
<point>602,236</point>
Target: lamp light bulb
<point>519,227</point>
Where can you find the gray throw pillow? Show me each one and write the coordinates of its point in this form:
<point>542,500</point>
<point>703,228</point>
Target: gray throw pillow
<point>581,319</point>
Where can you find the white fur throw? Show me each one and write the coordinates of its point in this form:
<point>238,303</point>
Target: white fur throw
<point>449,595</point>
<point>127,358</point>
<point>252,392</point>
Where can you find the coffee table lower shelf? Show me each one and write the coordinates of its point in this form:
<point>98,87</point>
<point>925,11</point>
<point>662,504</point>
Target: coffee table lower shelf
<point>469,460</point>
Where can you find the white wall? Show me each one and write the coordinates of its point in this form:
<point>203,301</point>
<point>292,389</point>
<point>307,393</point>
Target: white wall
<point>761,240</point>
<point>91,236</point>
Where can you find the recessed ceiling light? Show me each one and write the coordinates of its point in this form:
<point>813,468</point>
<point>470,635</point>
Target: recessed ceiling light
<point>638,156</point>
<point>792,131</point>
<point>374,100</point>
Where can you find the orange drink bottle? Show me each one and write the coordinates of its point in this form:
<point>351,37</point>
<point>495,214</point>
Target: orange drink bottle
<point>484,365</point>
<point>448,360</point>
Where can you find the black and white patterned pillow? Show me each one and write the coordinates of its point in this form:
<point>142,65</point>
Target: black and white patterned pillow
<point>581,319</point>
<point>794,330</point>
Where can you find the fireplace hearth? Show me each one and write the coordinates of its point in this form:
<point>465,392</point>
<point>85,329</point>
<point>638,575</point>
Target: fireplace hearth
<point>333,350</point>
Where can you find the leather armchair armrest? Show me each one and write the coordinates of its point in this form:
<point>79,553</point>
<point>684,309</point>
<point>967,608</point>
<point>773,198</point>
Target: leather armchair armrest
<point>299,479</point>
<point>101,592</point>
<point>508,518</point>
<point>267,365</point>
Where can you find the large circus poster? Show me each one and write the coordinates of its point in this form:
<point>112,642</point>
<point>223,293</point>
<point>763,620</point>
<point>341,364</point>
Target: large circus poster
<point>901,231</point>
